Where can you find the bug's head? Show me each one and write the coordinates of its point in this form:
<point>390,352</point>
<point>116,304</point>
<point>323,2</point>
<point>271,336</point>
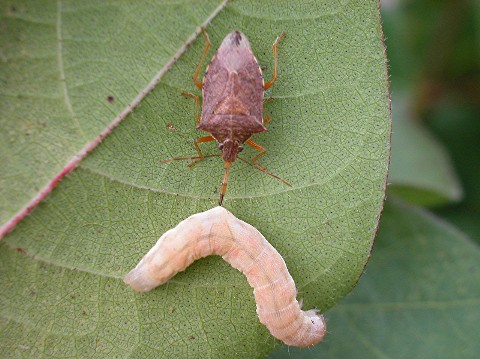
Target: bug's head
<point>230,149</point>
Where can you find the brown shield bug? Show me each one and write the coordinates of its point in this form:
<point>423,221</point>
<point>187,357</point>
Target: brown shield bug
<point>232,109</point>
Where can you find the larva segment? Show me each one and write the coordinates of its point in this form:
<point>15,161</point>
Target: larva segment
<point>219,232</point>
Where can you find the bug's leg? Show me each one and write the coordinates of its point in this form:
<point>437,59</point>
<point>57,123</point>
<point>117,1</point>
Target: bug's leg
<point>267,100</point>
<point>202,59</point>
<point>258,148</point>
<point>199,151</point>
<point>266,119</point>
<point>197,104</point>
<point>275,44</point>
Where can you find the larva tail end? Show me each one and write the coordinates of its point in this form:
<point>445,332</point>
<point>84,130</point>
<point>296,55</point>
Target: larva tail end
<point>139,281</point>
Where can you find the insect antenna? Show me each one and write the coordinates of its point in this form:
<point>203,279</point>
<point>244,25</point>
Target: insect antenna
<point>227,166</point>
<point>264,171</point>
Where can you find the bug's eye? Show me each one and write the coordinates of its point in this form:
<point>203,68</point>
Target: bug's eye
<point>220,146</point>
<point>240,148</point>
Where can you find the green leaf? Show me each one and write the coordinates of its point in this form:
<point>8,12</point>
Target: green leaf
<point>421,171</point>
<point>60,63</point>
<point>419,297</point>
<point>61,267</point>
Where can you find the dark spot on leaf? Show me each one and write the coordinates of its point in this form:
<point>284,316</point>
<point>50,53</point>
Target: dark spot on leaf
<point>110,99</point>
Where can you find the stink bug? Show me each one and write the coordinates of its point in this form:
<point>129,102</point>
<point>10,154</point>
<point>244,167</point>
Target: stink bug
<point>232,110</point>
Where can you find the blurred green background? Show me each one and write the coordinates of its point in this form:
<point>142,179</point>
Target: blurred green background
<point>433,49</point>
<point>419,296</point>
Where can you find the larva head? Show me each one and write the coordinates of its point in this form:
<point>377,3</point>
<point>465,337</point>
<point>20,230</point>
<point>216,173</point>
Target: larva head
<point>317,329</point>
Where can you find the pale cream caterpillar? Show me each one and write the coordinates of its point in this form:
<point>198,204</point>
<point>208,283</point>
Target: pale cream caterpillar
<point>219,232</point>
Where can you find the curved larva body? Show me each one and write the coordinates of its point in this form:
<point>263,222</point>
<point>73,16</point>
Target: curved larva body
<point>219,232</point>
